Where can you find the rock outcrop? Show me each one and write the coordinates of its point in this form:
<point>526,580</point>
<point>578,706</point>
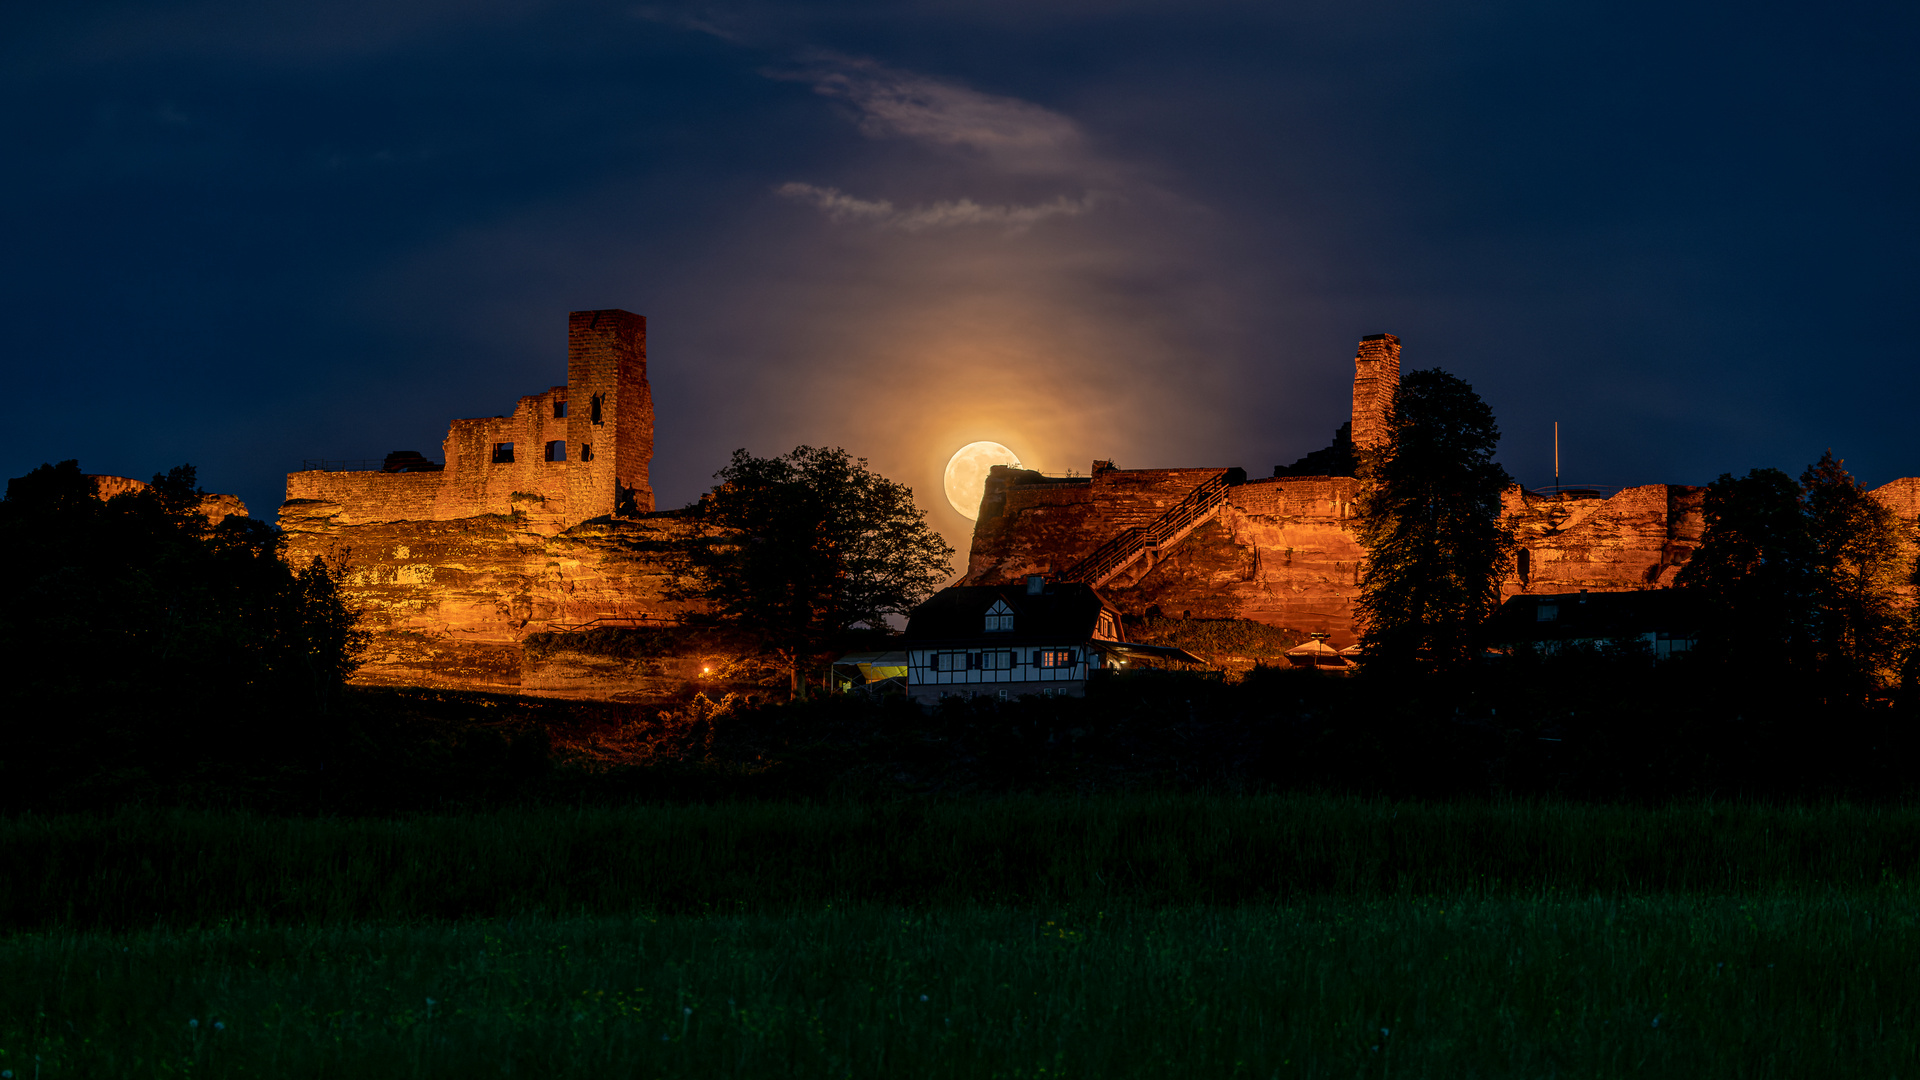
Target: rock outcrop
<point>454,603</point>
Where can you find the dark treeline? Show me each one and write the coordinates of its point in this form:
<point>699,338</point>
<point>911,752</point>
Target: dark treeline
<point>147,650</point>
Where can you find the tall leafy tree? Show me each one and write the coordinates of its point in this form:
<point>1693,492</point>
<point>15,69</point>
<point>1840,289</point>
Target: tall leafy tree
<point>1430,517</point>
<point>1753,573</point>
<point>1803,579</point>
<point>1862,555</point>
<point>809,546</point>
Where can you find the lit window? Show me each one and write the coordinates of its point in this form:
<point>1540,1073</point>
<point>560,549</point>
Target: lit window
<point>557,450</point>
<point>1056,658</point>
<point>503,453</point>
<point>999,617</point>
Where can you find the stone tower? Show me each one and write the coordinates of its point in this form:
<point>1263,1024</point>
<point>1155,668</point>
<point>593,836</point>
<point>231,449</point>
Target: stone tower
<point>609,413</point>
<point>1376,375</point>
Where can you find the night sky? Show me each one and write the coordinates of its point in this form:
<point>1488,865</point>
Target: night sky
<point>244,234</point>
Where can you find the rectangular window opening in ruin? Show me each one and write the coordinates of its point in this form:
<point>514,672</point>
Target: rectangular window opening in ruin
<point>596,401</point>
<point>503,453</point>
<point>586,451</point>
<point>557,450</point>
<point>559,410</point>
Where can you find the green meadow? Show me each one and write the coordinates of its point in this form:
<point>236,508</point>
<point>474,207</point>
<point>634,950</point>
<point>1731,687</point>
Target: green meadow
<point>1155,935</point>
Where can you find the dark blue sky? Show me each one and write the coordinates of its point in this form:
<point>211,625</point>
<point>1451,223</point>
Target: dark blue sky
<point>243,234</point>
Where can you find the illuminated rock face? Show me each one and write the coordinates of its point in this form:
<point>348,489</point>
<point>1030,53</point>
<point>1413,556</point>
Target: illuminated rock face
<point>452,603</point>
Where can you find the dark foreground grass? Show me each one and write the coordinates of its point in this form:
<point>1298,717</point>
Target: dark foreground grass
<point>145,869</point>
<point>1818,985</point>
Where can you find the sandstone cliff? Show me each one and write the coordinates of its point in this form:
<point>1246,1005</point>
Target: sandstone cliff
<point>455,603</point>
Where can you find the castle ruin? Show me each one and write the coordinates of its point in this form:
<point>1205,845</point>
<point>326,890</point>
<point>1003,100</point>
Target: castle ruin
<point>539,522</point>
<point>540,525</point>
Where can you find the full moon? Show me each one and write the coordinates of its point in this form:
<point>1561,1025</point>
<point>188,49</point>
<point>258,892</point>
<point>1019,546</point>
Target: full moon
<point>967,474</point>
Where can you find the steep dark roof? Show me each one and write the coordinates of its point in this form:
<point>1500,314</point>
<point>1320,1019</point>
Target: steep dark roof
<point>1592,616</point>
<point>1062,612</point>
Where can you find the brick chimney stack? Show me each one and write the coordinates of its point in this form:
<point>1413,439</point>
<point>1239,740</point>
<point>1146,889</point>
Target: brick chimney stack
<point>1376,375</point>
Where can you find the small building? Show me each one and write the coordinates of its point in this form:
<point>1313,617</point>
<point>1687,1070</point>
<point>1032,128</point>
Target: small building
<point>1004,641</point>
<point>1662,621</point>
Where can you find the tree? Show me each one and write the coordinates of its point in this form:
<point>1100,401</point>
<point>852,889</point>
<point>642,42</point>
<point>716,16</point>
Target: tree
<point>135,631</point>
<point>1862,555</point>
<point>1803,579</point>
<point>1430,520</point>
<point>1753,572</point>
<point>812,545</point>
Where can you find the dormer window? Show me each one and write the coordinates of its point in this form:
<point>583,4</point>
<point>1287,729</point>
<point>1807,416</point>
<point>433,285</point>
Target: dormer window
<point>999,617</point>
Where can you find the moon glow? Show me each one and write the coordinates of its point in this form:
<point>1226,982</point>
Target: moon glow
<point>967,474</point>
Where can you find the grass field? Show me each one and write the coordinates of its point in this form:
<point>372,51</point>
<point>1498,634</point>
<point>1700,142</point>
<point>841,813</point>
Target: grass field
<point>140,869</point>
<point>1807,986</point>
<point>1158,935</point>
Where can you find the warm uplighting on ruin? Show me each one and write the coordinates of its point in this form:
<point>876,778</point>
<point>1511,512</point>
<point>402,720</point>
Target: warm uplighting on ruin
<point>967,474</point>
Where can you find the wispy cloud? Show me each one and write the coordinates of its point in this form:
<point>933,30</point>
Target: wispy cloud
<point>957,213</point>
<point>1015,134</point>
<point>999,139</point>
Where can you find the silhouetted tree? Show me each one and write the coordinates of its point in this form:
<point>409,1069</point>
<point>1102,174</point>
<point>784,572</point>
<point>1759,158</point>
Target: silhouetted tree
<point>1802,581</point>
<point>1430,520</point>
<point>815,544</point>
<point>136,631</point>
<point>1753,574</point>
<point>1862,555</point>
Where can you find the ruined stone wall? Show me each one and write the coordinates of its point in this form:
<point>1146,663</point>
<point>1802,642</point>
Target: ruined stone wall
<point>578,452</point>
<point>358,498</point>
<point>1638,539</point>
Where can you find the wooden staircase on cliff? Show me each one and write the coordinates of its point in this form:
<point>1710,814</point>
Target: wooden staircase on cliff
<point>1135,543</point>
